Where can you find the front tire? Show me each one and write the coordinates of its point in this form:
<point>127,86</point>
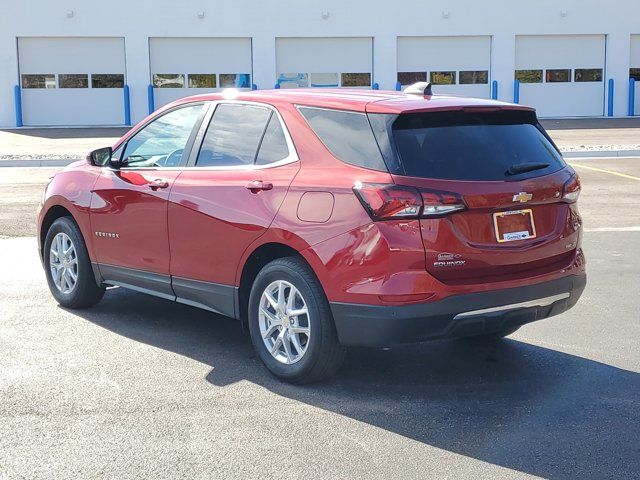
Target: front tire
<point>68,268</point>
<point>291,324</point>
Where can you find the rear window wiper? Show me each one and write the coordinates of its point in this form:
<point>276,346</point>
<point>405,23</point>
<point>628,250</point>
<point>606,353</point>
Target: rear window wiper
<point>517,168</point>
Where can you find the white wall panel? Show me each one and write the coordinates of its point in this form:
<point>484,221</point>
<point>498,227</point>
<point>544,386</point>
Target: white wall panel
<point>324,55</point>
<point>72,106</point>
<point>196,55</point>
<point>570,99</point>
<point>444,53</point>
<point>559,51</point>
<point>451,53</point>
<point>502,20</point>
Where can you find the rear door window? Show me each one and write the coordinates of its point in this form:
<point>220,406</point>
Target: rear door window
<point>455,145</point>
<point>233,136</point>
<point>273,147</point>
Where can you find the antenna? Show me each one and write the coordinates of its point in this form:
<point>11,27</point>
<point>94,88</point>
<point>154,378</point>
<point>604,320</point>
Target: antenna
<point>419,88</point>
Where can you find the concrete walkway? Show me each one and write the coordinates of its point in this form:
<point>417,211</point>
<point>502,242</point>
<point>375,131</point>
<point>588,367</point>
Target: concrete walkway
<point>54,143</point>
<point>595,134</point>
<point>59,146</point>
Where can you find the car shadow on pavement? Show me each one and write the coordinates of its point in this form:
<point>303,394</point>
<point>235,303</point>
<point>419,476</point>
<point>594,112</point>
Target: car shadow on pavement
<point>509,403</point>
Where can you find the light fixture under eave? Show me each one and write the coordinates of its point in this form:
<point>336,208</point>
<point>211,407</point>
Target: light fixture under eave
<point>200,14</point>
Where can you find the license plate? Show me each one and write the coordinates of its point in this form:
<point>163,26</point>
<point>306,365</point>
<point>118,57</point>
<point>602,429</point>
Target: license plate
<point>514,225</point>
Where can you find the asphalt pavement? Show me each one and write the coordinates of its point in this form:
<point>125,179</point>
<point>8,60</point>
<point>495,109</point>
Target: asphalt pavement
<point>139,387</point>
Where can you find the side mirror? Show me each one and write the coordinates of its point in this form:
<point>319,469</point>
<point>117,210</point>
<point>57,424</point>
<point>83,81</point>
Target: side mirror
<point>100,157</point>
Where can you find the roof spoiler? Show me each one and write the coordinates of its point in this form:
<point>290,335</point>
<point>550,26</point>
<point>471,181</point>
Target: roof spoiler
<point>419,88</point>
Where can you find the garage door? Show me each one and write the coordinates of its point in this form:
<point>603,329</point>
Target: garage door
<point>72,81</point>
<point>324,62</point>
<point>188,66</point>
<point>634,71</point>
<point>561,75</point>
<point>457,65</point>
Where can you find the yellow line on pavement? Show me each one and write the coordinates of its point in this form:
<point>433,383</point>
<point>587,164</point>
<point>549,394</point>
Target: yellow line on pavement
<point>595,169</point>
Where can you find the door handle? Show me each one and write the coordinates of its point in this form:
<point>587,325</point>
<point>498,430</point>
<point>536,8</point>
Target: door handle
<point>258,185</point>
<point>158,183</point>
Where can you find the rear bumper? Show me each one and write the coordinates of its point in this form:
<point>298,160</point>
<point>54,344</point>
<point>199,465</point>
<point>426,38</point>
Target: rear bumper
<point>455,316</point>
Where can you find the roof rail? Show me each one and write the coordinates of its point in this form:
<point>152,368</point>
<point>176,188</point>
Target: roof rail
<point>419,88</point>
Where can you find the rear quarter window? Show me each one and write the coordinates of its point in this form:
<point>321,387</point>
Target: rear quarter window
<point>347,135</point>
<point>472,146</point>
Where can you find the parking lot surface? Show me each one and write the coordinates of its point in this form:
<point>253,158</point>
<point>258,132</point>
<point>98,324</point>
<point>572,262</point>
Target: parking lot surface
<point>139,387</point>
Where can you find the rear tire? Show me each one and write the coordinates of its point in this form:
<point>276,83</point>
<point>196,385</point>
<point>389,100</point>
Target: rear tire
<point>304,344</point>
<point>68,268</point>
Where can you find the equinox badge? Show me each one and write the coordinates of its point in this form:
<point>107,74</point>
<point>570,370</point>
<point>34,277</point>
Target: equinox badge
<point>522,197</point>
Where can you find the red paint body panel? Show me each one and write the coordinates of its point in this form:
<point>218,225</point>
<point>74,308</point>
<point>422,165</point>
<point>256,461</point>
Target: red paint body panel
<point>206,223</point>
<point>125,203</point>
<point>213,218</point>
<point>71,188</point>
<point>469,235</point>
<point>363,265</point>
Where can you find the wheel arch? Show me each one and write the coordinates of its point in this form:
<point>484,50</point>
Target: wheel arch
<point>259,257</point>
<point>53,213</point>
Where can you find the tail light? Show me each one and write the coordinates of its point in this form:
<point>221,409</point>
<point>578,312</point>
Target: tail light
<point>437,203</point>
<point>571,189</point>
<point>389,201</point>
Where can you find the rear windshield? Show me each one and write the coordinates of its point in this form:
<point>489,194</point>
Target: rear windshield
<point>498,145</point>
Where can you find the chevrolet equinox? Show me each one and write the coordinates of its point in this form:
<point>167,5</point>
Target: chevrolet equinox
<point>324,219</point>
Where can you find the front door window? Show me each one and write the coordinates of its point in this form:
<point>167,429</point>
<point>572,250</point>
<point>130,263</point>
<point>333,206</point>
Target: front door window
<point>162,142</point>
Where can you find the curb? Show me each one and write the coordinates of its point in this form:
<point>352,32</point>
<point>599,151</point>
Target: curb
<point>601,153</point>
<point>63,162</point>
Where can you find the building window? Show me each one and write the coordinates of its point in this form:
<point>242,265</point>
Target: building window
<point>44,80</point>
<point>529,76</point>
<point>355,79</point>
<point>107,80</point>
<point>558,75</point>
<point>168,80</point>
<point>471,77</point>
<point>587,75</point>
<point>202,80</point>
<point>235,80</point>
<point>73,80</point>
<point>327,80</point>
<point>635,74</point>
<point>293,80</point>
<point>409,78</point>
<point>443,78</point>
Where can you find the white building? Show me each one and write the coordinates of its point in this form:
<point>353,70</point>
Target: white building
<point>109,63</point>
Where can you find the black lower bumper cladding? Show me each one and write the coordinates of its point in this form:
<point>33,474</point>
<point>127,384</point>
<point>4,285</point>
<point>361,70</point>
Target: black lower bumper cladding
<point>456,316</point>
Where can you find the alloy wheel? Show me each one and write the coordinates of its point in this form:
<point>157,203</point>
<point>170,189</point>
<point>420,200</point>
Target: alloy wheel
<point>285,325</point>
<point>63,262</point>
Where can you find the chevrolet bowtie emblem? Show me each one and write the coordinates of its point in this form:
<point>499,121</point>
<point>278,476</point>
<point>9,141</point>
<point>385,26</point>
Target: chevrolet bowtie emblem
<point>522,197</point>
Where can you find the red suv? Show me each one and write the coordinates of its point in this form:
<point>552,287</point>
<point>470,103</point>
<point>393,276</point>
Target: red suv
<point>325,219</point>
